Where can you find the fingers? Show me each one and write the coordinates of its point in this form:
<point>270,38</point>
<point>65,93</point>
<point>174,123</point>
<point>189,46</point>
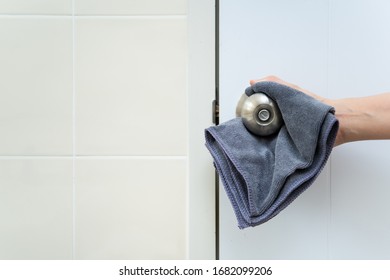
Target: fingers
<point>274,79</point>
<point>280,81</point>
<point>339,138</point>
<point>268,79</point>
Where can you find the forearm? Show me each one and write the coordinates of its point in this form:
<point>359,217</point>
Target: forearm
<point>364,118</point>
<point>361,118</point>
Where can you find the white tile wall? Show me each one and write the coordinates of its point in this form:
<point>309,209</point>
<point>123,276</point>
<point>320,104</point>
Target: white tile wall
<point>36,86</point>
<point>93,146</point>
<point>131,84</point>
<point>36,208</point>
<point>133,7</point>
<point>130,209</point>
<point>28,7</point>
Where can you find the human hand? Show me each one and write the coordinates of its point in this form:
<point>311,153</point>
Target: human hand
<point>333,103</point>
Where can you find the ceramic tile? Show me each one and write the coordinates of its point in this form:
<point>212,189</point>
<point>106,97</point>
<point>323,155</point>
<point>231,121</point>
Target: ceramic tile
<point>134,7</point>
<point>131,87</point>
<point>130,209</point>
<point>36,209</point>
<point>56,7</point>
<point>36,87</point>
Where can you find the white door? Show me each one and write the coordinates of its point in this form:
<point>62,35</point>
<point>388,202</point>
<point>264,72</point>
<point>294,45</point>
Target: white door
<point>336,49</point>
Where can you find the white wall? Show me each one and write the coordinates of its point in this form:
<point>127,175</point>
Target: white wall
<point>93,121</point>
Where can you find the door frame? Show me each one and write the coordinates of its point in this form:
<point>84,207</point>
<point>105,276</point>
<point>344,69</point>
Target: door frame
<point>202,197</point>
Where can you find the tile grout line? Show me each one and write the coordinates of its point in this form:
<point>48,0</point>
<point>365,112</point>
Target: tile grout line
<point>72,16</point>
<point>97,157</point>
<point>188,211</point>
<point>140,157</point>
<point>74,133</point>
<point>146,16</point>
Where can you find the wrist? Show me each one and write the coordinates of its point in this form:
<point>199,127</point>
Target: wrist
<point>341,116</point>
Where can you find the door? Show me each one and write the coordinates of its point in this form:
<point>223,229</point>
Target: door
<point>336,49</point>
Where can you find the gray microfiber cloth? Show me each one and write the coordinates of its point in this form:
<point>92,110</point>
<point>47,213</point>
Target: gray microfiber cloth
<point>263,175</point>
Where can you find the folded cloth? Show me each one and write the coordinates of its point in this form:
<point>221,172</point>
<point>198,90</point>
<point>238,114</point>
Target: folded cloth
<point>263,175</point>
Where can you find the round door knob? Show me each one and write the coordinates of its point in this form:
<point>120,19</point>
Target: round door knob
<point>260,114</point>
